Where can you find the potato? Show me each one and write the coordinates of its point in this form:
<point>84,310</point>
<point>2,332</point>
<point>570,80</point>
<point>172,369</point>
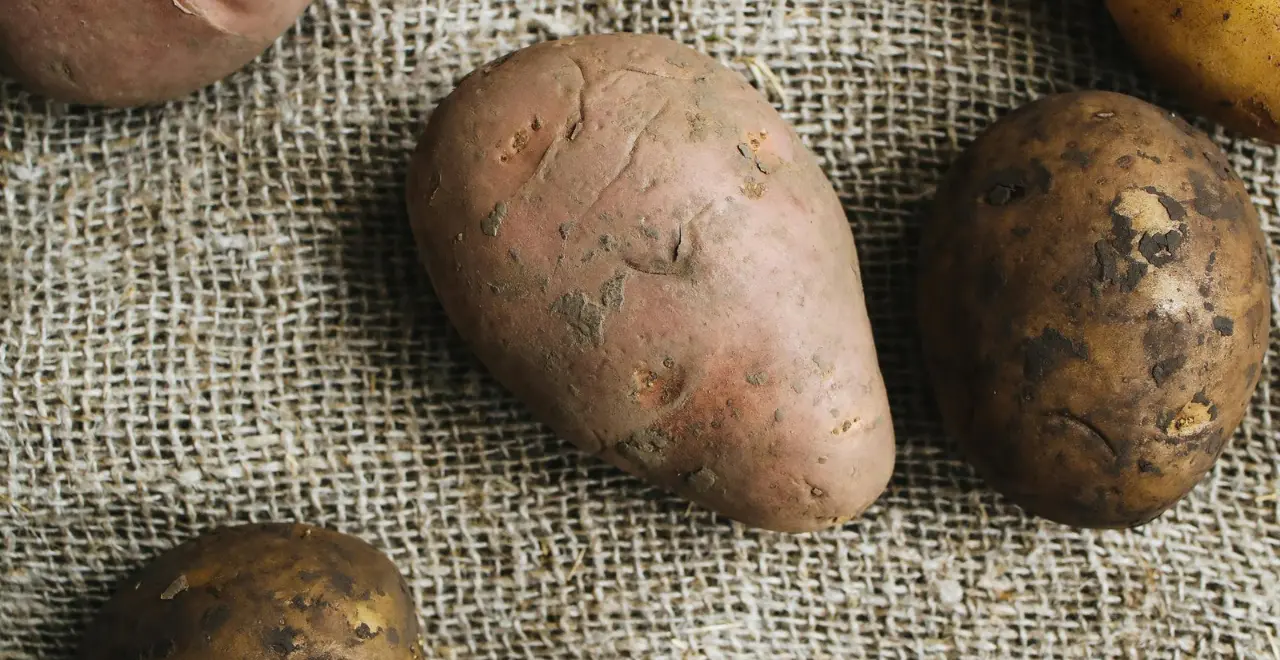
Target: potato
<point>1224,57</point>
<point>1094,307</point>
<point>640,248</point>
<point>262,591</point>
<point>135,52</point>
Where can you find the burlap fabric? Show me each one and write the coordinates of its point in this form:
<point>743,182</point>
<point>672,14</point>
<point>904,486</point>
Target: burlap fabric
<point>212,312</point>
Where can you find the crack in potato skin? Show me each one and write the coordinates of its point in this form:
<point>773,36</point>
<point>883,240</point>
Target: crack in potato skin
<point>733,270</point>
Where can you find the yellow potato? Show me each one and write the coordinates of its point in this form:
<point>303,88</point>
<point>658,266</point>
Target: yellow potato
<point>1223,57</point>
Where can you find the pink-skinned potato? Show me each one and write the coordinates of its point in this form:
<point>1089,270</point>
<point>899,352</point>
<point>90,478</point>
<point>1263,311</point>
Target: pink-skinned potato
<point>638,246</point>
<point>125,53</point>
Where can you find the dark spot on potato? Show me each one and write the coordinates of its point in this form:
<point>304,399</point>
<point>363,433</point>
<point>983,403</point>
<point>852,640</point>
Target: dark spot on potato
<point>1226,16</point>
<point>282,640</point>
<point>1163,369</point>
<point>1021,231</point>
<point>1048,352</point>
<point>1208,307</point>
<point>701,480</point>
<point>1225,326</point>
<point>393,636</point>
<point>1013,184</point>
<point>344,583</point>
<point>1146,467</point>
<point>566,228</point>
<point>1106,256</point>
<point>1076,157</point>
<point>1204,290</point>
<point>1177,14</point>
<point>1177,212</point>
<point>607,243</point>
<point>1124,162</point>
<point>363,631</point>
<point>1148,157</point>
<point>1133,276</point>
<point>298,602</point>
<point>1212,200</point>
<point>1160,249</point>
<point>1060,287</point>
<point>1005,193</point>
<point>308,576</point>
<point>493,222</point>
<point>1121,227</point>
<point>1163,338</point>
<point>1213,259</point>
<point>214,618</point>
<point>1188,152</point>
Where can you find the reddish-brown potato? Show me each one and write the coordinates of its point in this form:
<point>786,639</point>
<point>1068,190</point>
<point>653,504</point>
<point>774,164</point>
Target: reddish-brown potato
<point>1094,307</point>
<point>259,592</point>
<point>135,52</point>
<point>638,246</point>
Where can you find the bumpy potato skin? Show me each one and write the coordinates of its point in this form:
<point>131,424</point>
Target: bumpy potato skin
<point>640,248</point>
<point>261,591</point>
<point>127,53</point>
<point>1093,304</point>
<point>1224,57</point>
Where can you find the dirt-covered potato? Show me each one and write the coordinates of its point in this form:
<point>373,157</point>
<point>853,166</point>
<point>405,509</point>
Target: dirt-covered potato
<point>637,245</point>
<point>258,592</point>
<point>135,52</point>
<point>1094,307</point>
<point>1223,56</point>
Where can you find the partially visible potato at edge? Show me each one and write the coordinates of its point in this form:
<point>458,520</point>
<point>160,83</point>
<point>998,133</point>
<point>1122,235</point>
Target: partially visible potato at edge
<point>1223,57</point>
<point>638,246</point>
<point>254,592</point>
<point>135,52</point>
<point>1094,307</point>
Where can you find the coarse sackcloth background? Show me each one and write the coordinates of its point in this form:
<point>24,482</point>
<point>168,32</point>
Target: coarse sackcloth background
<point>212,312</point>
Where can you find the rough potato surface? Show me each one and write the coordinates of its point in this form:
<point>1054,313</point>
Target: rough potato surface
<point>1223,56</point>
<point>640,248</point>
<point>1094,307</point>
<point>134,52</point>
<point>257,592</point>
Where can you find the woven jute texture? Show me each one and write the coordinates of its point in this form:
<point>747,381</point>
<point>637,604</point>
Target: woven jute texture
<point>212,312</point>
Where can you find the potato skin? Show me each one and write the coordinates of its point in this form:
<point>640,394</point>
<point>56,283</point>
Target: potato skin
<point>1224,57</point>
<point>639,247</point>
<point>1094,308</point>
<point>257,592</point>
<point>126,53</point>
